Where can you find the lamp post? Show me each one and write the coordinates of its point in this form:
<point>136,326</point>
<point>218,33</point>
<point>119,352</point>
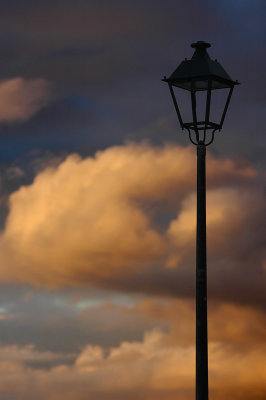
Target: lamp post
<point>201,78</point>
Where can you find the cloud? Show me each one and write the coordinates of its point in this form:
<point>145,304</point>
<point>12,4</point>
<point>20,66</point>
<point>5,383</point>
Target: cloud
<point>28,353</point>
<point>126,218</point>
<point>228,323</point>
<point>159,363</point>
<point>21,98</point>
<point>142,369</point>
<point>227,214</point>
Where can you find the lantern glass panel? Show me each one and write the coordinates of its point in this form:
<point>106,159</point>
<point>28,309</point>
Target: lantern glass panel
<point>201,102</point>
<point>218,102</point>
<point>183,98</point>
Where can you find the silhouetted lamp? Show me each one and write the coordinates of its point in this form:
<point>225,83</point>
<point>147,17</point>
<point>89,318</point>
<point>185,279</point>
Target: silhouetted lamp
<point>201,76</point>
<point>202,79</point>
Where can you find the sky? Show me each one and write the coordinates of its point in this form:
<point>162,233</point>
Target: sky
<point>97,203</point>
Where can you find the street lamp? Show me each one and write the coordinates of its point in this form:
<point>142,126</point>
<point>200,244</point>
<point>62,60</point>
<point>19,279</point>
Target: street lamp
<point>201,78</point>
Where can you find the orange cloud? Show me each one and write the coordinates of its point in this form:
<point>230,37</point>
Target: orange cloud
<point>21,98</point>
<point>228,323</point>
<point>144,370</point>
<point>227,211</point>
<point>96,221</point>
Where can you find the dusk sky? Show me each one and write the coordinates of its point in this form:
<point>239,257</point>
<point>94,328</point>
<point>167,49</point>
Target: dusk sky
<point>97,205</point>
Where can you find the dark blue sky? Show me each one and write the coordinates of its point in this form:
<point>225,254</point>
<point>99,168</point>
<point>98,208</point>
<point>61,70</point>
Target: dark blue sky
<point>105,62</point>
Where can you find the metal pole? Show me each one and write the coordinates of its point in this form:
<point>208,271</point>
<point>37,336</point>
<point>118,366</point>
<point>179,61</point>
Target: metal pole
<point>201,280</point>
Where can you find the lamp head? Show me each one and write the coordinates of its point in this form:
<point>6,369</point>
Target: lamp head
<point>200,74</point>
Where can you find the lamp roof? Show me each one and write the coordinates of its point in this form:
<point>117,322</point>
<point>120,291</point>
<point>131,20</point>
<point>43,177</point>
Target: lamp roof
<point>200,67</point>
